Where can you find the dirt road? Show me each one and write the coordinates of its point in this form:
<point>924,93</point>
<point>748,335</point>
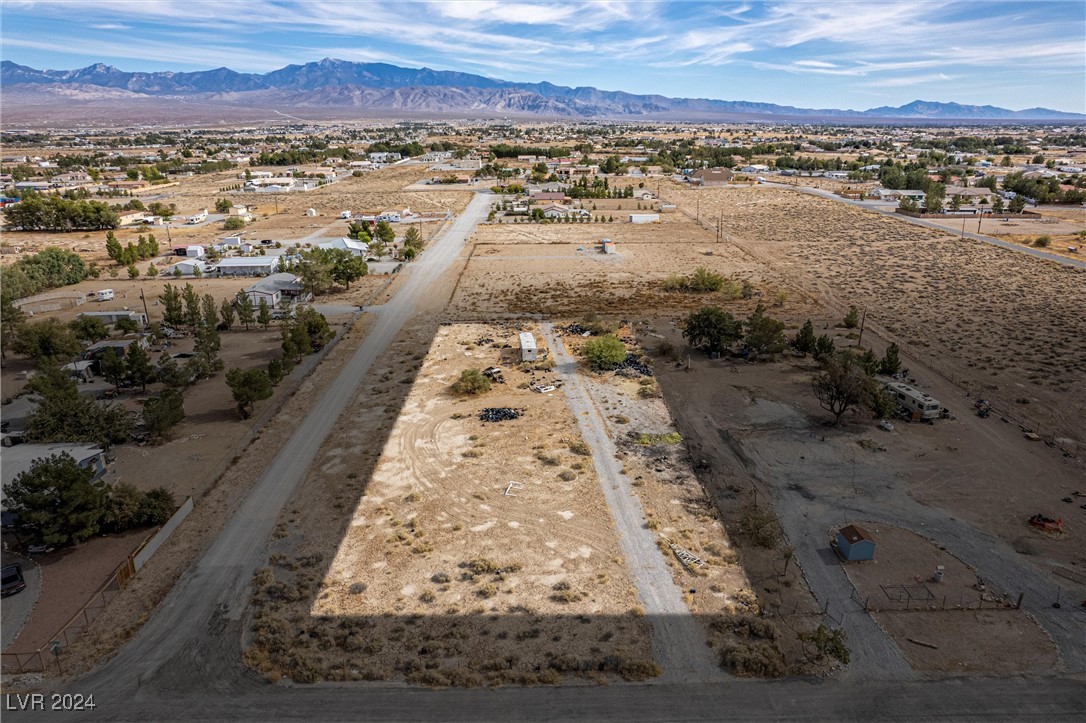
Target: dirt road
<point>678,642</point>
<point>197,611</point>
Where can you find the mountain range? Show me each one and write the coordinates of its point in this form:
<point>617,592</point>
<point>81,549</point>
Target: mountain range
<point>332,83</point>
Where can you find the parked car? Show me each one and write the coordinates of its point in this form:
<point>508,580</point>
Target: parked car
<point>11,579</point>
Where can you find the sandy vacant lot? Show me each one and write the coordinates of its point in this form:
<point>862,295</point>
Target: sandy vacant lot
<point>559,269</point>
<point>427,569</point>
<point>1006,326</point>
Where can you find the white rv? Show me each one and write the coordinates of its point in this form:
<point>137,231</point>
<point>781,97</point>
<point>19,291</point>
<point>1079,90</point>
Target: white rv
<point>914,400</point>
<point>103,295</point>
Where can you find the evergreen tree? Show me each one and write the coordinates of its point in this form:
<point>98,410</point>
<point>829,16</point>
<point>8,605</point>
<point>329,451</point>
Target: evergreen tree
<point>246,313</point>
<point>805,339</point>
<point>139,366</point>
<point>56,501</point>
<point>173,312</point>
<point>113,248</point>
<point>226,311</point>
<point>248,387</point>
<point>210,316</point>
<point>162,413</point>
<point>114,368</point>
<point>263,316</point>
<point>192,306</point>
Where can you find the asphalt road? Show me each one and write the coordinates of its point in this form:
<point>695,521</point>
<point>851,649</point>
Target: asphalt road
<point>678,641</point>
<point>1048,256</point>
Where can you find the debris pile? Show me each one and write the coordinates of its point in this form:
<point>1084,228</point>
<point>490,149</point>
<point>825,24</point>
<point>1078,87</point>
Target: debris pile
<point>498,414</point>
<point>633,363</point>
<point>483,340</point>
<point>494,374</point>
<point>577,329</point>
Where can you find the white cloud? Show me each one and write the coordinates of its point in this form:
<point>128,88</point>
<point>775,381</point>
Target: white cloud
<point>815,64</point>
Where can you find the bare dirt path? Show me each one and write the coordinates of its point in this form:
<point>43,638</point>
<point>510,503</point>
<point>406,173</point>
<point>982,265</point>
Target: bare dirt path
<point>678,641</point>
<point>174,645</point>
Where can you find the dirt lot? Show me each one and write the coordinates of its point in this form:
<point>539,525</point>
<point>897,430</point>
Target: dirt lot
<point>973,625</point>
<point>433,554</point>
<point>1006,326</point>
<point>559,269</point>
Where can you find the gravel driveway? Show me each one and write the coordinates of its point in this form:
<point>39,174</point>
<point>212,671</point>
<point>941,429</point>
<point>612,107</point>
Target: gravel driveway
<point>678,641</point>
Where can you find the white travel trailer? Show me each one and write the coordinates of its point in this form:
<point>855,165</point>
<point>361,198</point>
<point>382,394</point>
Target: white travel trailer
<point>104,295</point>
<point>915,401</point>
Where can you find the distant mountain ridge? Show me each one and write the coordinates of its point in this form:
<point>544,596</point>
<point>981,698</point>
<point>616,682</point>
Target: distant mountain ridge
<point>332,83</point>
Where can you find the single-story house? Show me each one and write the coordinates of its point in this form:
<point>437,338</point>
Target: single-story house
<point>274,289</point>
<point>113,316</point>
<point>557,210</point>
<point>20,457</point>
<point>350,245</point>
<point>855,543</point>
<point>711,176</point>
<point>248,266</point>
<point>128,218</point>
<point>558,196</point>
<point>120,346</point>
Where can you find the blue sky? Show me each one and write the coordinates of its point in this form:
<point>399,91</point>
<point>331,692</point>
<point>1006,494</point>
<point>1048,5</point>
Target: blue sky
<point>826,54</point>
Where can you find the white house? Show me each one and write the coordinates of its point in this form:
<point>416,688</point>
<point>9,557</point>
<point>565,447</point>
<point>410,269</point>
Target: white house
<point>274,289</point>
<point>112,317</point>
<point>188,267</point>
<point>350,245</point>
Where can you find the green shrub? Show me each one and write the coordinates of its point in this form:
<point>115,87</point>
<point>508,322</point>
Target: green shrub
<point>603,353</point>
<point>471,381</point>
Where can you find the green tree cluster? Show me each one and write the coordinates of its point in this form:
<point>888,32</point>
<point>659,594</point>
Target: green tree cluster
<point>57,214</point>
<point>47,269</point>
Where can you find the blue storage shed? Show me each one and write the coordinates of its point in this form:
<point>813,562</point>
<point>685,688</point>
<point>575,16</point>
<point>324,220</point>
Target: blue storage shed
<point>855,543</point>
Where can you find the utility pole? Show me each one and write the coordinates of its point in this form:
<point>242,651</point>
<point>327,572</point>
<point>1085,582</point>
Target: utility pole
<point>963,227</point>
<point>862,320</point>
<point>146,313</point>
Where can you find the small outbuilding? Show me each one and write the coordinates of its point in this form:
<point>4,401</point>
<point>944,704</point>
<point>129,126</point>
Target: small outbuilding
<point>609,246</point>
<point>528,350</point>
<point>855,543</point>
<point>644,218</point>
